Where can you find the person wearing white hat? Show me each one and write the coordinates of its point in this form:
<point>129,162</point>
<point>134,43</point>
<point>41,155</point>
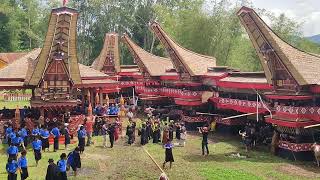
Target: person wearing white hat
<point>67,137</point>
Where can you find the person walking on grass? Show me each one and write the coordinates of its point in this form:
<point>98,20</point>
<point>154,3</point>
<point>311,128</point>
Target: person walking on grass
<point>37,146</point>
<point>81,138</point>
<point>56,134</point>
<point>74,160</point>
<point>23,165</point>
<point>67,137</point>
<point>45,139</point>
<point>12,167</point>
<point>62,167</point>
<point>168,154</point>
<point>52,170</point>
<point>204,131</point>
<point>111,131</point>
<point>104,133</point>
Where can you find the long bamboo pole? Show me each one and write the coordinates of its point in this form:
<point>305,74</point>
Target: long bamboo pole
<point>154,161</point>
<point>241,115</point>
<point>311,126</point>
<point>209,114</point>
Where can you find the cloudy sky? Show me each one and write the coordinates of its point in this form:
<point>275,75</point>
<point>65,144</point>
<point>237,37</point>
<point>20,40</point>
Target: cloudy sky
<point>306,11</point>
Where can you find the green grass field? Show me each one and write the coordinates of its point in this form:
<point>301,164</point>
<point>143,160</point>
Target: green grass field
<point>131,162</point>
<point>14,104</point>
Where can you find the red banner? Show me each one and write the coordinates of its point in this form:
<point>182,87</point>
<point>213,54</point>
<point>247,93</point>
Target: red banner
<point>295,147</point>
<point>299,112</point>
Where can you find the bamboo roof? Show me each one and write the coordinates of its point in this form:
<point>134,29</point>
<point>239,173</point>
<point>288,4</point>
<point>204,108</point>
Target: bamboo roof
<point>196,64</point>
<point>111,44</point>
<point>246,77</point>
<point>303,66</point>
<point>154,65</point>
<point>18,69</point>
<point>62,28</point>
<point>87,72</point>
<point>11,56</point>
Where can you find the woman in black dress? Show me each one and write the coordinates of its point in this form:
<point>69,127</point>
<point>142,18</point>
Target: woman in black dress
<point>169,156</point>
<point>66,133</point>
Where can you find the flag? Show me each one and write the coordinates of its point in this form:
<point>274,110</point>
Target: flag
<point>65,2</point>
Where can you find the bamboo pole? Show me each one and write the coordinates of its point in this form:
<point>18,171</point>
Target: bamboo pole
<point>241,115</point>
<point>209,114</point>
<point>311,126</point>
<point>154,161</point>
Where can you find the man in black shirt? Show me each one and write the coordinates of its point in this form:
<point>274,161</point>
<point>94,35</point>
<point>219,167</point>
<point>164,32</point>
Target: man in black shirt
<point>204,131</point>
<point>52,170</point>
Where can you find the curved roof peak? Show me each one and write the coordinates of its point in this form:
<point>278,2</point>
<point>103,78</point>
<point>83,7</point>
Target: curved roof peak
<point>184,60</point>
<point>154,65</point>
<point>302,66</point>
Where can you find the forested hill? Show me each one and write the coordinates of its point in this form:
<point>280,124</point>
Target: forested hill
<point>214,31</point>
<point>315,38</point>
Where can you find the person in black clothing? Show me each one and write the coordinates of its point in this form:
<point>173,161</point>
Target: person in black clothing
<point>156,137</point>
<point>143,134</point>
<point>178,131</point>
<point>67,137</point>
<point>171,131</point>
<point>204,131</point>
<point>168,155</point>
<point>148,131</point>
<point>133,127</point>
<point>130,134</point>
<point>52,170</point>
<point>111,131</point>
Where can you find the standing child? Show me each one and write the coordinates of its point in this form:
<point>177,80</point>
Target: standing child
<point>169,156</point>
<point>23,165</point>
<point>62,167</point>
<point>12,167</point>
<point>37,146</point>
<point>56,134</point>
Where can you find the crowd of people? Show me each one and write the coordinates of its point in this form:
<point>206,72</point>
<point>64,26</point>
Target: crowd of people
<point>151,129</point>
<point>38,139</point>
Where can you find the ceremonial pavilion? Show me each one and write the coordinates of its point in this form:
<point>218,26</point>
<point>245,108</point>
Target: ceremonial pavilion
<point>285,95</point>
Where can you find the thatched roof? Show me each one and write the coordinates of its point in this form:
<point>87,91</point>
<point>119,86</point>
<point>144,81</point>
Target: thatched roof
<point>303,66</point>
<point>153,65</point>
<point>11,56</point>
<point>246,77</point>
<point>87,72</point>
<point>62,24</point>
<point>18,69</point>
<point>195,64</point>
<point>111,43</point>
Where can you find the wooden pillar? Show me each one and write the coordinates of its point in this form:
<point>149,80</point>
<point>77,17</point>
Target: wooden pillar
<point>97,99</point>
<point>92,97</point>
<point>83,97</point>
<point>100,97</point>
<point>107,100</point>
<point>17,118</point>
<point>90,110</point>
